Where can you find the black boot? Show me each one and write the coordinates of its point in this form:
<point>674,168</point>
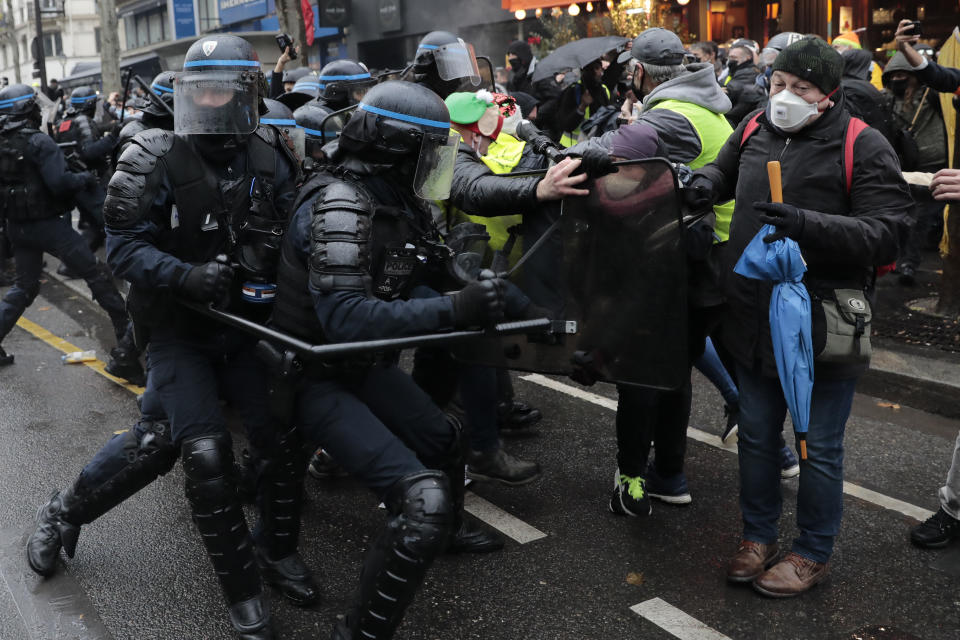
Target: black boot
<point>125,362</point>
<point>58,521</point>
<point>420,519</point>
<point>280,499</point>
<point>208,467</point>
<point>465,536</point>
<point>5,358</point>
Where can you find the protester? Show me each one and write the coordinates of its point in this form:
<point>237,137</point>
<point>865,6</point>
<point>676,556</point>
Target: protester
<point>844,236</point>
<point>522,63</point>
<point>850,41</point>
<point>707,52</point>
<point>740,84</point>
<point>917,109</point>
<point>579,101</point>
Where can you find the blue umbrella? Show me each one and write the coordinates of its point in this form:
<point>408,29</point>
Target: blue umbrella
<point>781,262</point>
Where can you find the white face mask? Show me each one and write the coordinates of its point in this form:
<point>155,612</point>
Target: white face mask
<point>790,112</point>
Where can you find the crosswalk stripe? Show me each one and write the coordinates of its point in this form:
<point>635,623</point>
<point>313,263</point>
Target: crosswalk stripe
<point>501,520</point>
<point>674,621</point>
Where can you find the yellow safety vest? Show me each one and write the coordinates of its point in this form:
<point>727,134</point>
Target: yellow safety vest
<point>568,139</point>
<point>502,157</point>
<point>713,131</point>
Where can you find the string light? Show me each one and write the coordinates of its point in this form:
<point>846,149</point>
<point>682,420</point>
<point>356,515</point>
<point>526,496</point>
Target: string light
<point>520,14</point>
<point>683,3</point>
<point>538,12</point>
<point>590,6</point>
<point>574,9</point>
<point>610,5</point>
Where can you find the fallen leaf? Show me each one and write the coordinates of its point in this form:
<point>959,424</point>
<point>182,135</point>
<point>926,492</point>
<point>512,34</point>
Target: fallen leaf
<point>43,309</point>
<point>889,405</point>
<point>634,578</point>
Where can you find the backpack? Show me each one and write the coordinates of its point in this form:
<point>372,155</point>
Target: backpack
<point>854,127</point>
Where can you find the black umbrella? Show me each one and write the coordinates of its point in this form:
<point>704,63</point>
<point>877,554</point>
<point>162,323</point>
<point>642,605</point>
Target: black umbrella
<point>576,55</point>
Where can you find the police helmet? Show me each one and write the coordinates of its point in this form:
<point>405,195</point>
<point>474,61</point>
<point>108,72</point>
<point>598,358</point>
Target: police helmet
<point>307,88</point>
<point>397,122</point>
<point>344,82</point>
<point>83,100</point>
<point>281,117</point>
<point>220,89</point>
<point>292,75</point>
<point>656,46</point>
<point>162,87</point>
<point>443,61</point>
<point>18,101</point>
<point>318,127</point>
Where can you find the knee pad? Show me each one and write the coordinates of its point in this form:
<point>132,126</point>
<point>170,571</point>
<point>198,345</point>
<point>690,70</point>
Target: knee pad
<point>155,447</point>
<point>422,509</point>
<point>208,466</point>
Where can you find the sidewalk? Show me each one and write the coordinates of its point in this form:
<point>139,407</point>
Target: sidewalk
<point>916,357</point>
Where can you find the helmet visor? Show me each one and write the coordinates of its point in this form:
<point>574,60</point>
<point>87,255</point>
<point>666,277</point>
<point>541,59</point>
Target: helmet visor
<point>457,60</point>
<point>438,155</point>
<point>216,102</point>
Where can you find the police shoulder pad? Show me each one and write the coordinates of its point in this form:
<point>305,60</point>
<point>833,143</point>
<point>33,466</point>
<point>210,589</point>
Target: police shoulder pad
<point>157,142</point>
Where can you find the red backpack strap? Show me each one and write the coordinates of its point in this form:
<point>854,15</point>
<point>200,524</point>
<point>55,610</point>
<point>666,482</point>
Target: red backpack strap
<point>854,127</point>
<point>752,125</point>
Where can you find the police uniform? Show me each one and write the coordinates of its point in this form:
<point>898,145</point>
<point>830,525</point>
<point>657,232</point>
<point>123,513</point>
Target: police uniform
<point>35,185</point>
<point>176,203</point>
<point>352,268</point>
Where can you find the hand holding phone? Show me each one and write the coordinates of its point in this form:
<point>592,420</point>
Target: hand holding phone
<point>285,42</point>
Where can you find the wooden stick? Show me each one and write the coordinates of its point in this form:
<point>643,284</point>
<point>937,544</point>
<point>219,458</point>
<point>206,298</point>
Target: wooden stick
<point>776,186</point>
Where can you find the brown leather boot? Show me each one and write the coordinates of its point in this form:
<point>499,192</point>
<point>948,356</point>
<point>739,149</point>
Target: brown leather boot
<point>791,576</point>
<point>751,559</point>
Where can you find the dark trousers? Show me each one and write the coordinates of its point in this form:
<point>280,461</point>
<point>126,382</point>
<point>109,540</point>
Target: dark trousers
<point>926,230</point>
<point>380,426</point>
<point>646,416</point>
<point>30,240</point>
<point>185,381</point>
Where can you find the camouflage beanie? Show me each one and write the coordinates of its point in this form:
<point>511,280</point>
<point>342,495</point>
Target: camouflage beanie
<point>814,60</point>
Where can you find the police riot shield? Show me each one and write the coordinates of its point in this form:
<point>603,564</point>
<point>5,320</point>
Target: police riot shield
<point>621,270</point>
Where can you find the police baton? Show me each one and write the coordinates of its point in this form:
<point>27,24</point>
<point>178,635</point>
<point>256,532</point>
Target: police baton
<point>360,347</point>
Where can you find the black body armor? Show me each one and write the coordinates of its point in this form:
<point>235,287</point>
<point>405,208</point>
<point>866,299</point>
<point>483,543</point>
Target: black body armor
<point>24,195</point>
<point>83,130</point>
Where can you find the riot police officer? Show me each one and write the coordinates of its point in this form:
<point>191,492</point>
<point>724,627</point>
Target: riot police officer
<point>92,151</point>
<point>232,182</point>
<point>343,83</point>
<point>154,116</point>
<point>353,267</point>
<point>319,128</point>
<point>306,88</point>
<point>444,62</point>
<point>35,183</point>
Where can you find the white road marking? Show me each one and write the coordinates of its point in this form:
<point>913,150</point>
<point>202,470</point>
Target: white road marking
<point>674,621</point>
<point>849,488</point>
<point>501,520</point>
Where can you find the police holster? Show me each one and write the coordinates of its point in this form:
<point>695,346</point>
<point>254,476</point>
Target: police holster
<point>284,371</point>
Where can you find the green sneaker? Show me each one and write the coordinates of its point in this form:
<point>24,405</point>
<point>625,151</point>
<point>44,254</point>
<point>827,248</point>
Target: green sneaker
<point>629,497</point>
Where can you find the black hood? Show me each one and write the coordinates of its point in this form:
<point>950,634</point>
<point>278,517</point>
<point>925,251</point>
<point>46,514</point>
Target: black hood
<point>522,50</point>
<point>856,64</point>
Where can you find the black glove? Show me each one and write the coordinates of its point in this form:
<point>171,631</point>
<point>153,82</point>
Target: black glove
<point>90,179</point>
<point>594,161</point>
<point>699,194</point>
<point>480,303</point>
<point>208,282</point>
<point>787,218</point>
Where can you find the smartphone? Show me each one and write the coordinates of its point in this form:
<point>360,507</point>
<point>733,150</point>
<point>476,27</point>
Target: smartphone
<point>915,29</point>
<point>284,41</point>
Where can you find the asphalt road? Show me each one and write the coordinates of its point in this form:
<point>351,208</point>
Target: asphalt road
<point>140,572</point>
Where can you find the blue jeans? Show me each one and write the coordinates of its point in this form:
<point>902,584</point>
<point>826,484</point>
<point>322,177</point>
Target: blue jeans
<point>820,498</point>
<point>709,364</point>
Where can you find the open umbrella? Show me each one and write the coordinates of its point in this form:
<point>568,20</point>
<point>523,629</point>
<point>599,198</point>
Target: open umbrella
<point>576,55</point>
<point>790,331</point>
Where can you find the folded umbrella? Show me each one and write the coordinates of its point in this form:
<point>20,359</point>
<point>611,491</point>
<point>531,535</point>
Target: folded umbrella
<point>790,320</point>
<point>576,55</point>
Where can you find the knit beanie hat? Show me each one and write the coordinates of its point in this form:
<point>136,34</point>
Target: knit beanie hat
<point>814,60</point>
<point>477,111</point>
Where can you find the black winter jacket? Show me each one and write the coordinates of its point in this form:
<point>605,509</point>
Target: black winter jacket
<point>845,236</point>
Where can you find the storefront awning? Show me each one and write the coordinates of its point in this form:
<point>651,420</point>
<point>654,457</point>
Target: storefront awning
<point>515,5</point>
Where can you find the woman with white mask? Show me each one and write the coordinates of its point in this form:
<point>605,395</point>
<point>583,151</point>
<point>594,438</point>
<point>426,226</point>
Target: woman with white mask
<point>846,206</point>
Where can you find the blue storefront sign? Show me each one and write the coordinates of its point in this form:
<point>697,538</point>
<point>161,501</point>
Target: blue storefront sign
<point>232,11</point>
<point>184,21</point>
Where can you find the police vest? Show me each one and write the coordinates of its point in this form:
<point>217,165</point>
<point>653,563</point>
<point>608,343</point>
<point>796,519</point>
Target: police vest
<point>713,130</point>
<point>24,195</point>
<point>572,138</point>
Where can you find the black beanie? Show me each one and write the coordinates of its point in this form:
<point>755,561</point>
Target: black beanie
<point>814,60</point>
